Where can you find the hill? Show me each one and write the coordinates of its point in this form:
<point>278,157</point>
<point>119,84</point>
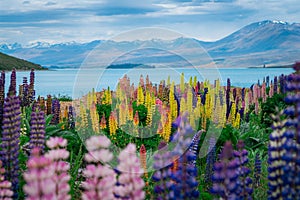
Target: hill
<point>9,62</point>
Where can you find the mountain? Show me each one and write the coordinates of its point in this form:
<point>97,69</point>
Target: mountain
<point>8,63</point>
<point>257,44</point>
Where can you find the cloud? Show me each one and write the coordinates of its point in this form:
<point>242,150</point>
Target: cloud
<point>50,3</point>
<point>85,20</point>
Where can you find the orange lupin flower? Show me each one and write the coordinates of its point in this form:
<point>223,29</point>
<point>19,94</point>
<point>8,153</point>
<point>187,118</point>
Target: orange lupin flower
<point>143,159</point>
<point>175,165</point>
<point>136,120</point>
<point>103,122</point>
<point>130,112</point>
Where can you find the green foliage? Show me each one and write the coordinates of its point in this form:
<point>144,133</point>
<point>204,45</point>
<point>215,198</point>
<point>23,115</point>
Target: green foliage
<point>269,107</point>
<point>63,98</point>
<point>104,109</point>
<point>142,110</point>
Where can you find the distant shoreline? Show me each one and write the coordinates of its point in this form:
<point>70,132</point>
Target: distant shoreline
<point>274,66</point>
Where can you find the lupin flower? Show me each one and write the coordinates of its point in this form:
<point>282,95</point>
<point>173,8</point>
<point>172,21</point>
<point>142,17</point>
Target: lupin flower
<point>103,122</point>
<point>225,177</point>
<point>282,82</point>
<point>284,147</point>
<point>130,183</point>
<point>257,170</point>
<point>5,186</point>
<point>184,184</point>
<point>2,95</point>
<point>161,176</point>
<point>276,163</point>
<point>13,84</point>
<point>210,160</point>
<point>290,142</point>
<point>31,91</point>
<point>10,148</point>
<point>49,105</point>
<point>275,85</point>
<point>100,177</point>
<point>55,111</point>
<point>24,93</point>
<point>37,130</point>
<point>228,105</point>
<point>39,177</point>
<point>58,154</point>
<point>71,118</point>
<point>244,191</point>
<point>143,159</point>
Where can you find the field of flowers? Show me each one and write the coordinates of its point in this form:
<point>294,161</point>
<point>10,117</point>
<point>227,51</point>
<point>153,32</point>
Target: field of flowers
<point>194,140</point>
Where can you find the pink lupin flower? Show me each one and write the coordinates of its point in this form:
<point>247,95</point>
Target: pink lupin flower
<point>58,154</point>
<point>5,186</point>
<point>38,177</point>
<point>100,177</point>
<point>131,184</point>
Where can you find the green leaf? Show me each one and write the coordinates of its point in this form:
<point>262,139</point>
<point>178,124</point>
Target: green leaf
<point>48,120</point>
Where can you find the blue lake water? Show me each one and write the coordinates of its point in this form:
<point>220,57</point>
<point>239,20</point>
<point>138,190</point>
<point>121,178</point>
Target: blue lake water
<point>74,82</point>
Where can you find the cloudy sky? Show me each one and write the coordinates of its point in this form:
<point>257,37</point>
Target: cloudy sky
<point>55,21</point>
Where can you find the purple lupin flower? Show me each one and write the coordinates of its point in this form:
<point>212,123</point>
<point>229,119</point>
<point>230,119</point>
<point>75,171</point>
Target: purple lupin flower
<point>39,177</point>
<point>37,130</point>
<point>282,82</point>
<point>13,84</point>
<point>24,93</point>
<point>244,191</point>
<point>161,176</point>
<point>2,95</point>
<point>5,186</point>
<point>31,91</point>
<point>284,150</point>
<point>276,164</point>
<point>228,103</point>
<point>49,105</point>
<point>291,130</point>
<point>275,85</point>
<point>10,140</point>
<point>210,160</point>
<point>55,111</point>
<point>225,177</point>
<point>184,184</point>
<point>71,118</point>
<point>58,155</point>
<point>257,170</point>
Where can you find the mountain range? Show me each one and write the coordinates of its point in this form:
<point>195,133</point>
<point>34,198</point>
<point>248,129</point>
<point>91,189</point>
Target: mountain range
<point>269,43</point>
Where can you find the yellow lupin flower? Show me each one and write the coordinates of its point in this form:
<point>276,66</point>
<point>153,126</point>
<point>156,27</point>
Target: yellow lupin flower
<point>182,84</point>
<point>122,114</point>
<point>195,81</point>
<point>189,102</point>
<point>182,105</point>
<point>167,128</point>
<point>83,122</point>
<point>112,125</point>
<point>94,118</point>
<point>140,96</point>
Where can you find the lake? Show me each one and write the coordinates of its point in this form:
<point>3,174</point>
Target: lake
<point>74,82</point>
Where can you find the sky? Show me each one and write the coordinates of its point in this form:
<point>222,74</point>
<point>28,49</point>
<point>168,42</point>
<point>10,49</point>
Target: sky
<point>57,21</point>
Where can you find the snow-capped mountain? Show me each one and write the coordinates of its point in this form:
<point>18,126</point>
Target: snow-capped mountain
<point>266,42</point>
